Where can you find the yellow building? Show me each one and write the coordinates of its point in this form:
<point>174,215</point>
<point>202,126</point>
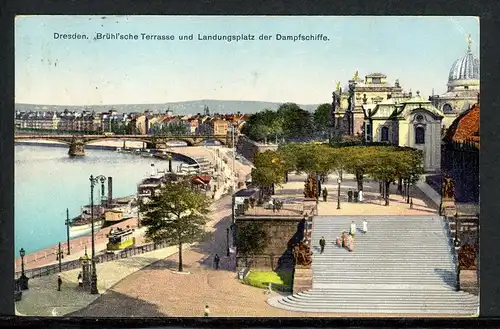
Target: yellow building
<point>373,89</point>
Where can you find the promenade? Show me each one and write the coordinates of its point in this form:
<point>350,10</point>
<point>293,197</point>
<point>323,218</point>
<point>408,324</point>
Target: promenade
<point>157,290</point>
<point>43,299</point>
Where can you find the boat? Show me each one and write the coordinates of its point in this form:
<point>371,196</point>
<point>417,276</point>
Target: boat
<point>81,225</point>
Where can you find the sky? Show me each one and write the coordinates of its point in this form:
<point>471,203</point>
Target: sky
<point>419,51</point>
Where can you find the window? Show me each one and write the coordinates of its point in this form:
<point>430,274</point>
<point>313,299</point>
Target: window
<point>447,108</point>
<point>419,135</point>
<point>384,134</point>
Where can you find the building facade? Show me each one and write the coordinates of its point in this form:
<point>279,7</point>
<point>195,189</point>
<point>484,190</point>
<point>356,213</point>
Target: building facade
<point>413,122</point>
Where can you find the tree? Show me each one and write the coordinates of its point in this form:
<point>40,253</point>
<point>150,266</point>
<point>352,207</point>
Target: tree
<point>321,118</point>
<point>297,123</point>
<point>176,215</point>
<point>359,160</point>
<point>268,171</point>
<point>251,238</point>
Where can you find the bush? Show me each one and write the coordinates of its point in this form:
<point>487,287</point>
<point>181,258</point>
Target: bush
<point>281,281</point>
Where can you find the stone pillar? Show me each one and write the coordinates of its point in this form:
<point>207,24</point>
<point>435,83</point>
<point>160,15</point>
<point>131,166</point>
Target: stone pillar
<point>76,148</point>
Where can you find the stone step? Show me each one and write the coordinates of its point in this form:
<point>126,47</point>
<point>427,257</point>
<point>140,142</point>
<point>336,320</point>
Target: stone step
<point>363,300</point>
<point>450,303</point>
<point>387,269</point>
<point>388,292</point>
<point>386,285</point>
<point>345,305</point>
<point>382,308</point>
<point>379,278</point>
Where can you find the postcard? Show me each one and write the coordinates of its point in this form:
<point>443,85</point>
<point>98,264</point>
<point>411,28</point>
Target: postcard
<point>246,166</point>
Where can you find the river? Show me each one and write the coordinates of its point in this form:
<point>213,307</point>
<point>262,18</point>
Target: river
<point>47,181</point>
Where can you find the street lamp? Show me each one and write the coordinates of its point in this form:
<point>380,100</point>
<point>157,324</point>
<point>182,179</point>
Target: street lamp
<point>59,256</point>
<point>227,242</point>
<point>23,280</point>
<point>338,193</point>
<point>456,243</point>
<point>67,222</point>
<point>93,182</point>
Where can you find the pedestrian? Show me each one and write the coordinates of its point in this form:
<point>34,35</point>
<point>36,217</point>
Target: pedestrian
<point>207,311</point>
<point>352,231</point>
<point>325,194</point>
<point>59,282</point>
<point>322,243</point>
<point>80,279</point>
<point>351,243</point>
<point>344,239</point>
<point>365,226</point>
<point>216,261</point>
<point>337,241</point>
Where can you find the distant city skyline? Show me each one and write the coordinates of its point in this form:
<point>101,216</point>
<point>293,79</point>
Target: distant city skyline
<point>419,51</point>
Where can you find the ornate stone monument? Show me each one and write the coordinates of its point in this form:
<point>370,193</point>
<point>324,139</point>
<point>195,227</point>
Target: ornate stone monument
<point>311,187</point>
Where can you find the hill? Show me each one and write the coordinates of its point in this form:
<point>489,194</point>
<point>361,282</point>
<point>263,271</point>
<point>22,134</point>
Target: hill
<point>179,108</point>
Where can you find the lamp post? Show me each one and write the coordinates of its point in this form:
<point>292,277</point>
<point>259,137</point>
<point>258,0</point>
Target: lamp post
<point>59,257</point>
<point>227,242</point>
<point>93,181</point>
<point>23,280</point>
<point>338,193</point>
<point>68,223</point>
<point>457,250</point>
<point>234,156</point>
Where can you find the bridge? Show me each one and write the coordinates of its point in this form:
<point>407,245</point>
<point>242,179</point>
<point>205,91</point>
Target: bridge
<point>77,142</point>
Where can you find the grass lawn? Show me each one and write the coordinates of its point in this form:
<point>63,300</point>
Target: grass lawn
<point>280,280</point>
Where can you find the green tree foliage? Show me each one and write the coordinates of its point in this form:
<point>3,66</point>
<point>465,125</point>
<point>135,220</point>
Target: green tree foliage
<point>176,215</point>
<point>269,170</point>
<point>251,238</point>
<point>263,125</point>
<point>297,122</point>
<point>321,119</point>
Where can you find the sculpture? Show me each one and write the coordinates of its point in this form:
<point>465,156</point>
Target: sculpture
<point>448,188</point>
<point>302,254</point>
<point>311,187</point>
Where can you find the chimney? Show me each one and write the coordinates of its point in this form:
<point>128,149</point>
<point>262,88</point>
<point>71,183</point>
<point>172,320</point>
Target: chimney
<point>110,190</point>
<point>153,170</point>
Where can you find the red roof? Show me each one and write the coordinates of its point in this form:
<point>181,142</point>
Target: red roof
<point>466,126</point>
<point>201,179</point>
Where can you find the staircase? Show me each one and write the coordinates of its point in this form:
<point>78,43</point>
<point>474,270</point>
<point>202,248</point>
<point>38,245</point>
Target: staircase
<point>403,265</point>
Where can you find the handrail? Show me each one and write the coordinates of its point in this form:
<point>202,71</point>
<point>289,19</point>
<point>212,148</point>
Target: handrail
<point>102,258</point>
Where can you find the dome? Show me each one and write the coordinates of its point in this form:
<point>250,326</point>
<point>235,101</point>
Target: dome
<point>465,68</point>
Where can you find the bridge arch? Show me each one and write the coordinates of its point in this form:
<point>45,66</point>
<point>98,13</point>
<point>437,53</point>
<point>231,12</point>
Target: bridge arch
<point>210,139</point>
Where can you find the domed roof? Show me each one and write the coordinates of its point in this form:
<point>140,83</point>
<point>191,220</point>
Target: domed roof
<point>465,68</point>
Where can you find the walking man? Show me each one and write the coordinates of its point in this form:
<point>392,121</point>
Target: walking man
<point>59,282</point>
<point>216,261</point>
<point>365,226</point>
<point>325,194</point>
<point>207,311</point>
<point>322,243</point>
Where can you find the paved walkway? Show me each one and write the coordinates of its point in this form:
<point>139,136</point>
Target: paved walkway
<point>372,204</point>
<point>148,285</point>
<point>43,299</point>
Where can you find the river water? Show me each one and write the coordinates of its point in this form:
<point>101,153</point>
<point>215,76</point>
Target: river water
<point>47,181</point>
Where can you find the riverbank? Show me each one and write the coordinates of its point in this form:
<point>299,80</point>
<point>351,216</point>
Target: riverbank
<point>47,256</point>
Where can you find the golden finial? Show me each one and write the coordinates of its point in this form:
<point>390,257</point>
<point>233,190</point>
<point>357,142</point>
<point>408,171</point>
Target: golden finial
<point>469,40</point>
<point>355,76</point>
<point>337,87</point>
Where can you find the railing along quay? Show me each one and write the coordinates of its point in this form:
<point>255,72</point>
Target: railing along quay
<point>73,264</point>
